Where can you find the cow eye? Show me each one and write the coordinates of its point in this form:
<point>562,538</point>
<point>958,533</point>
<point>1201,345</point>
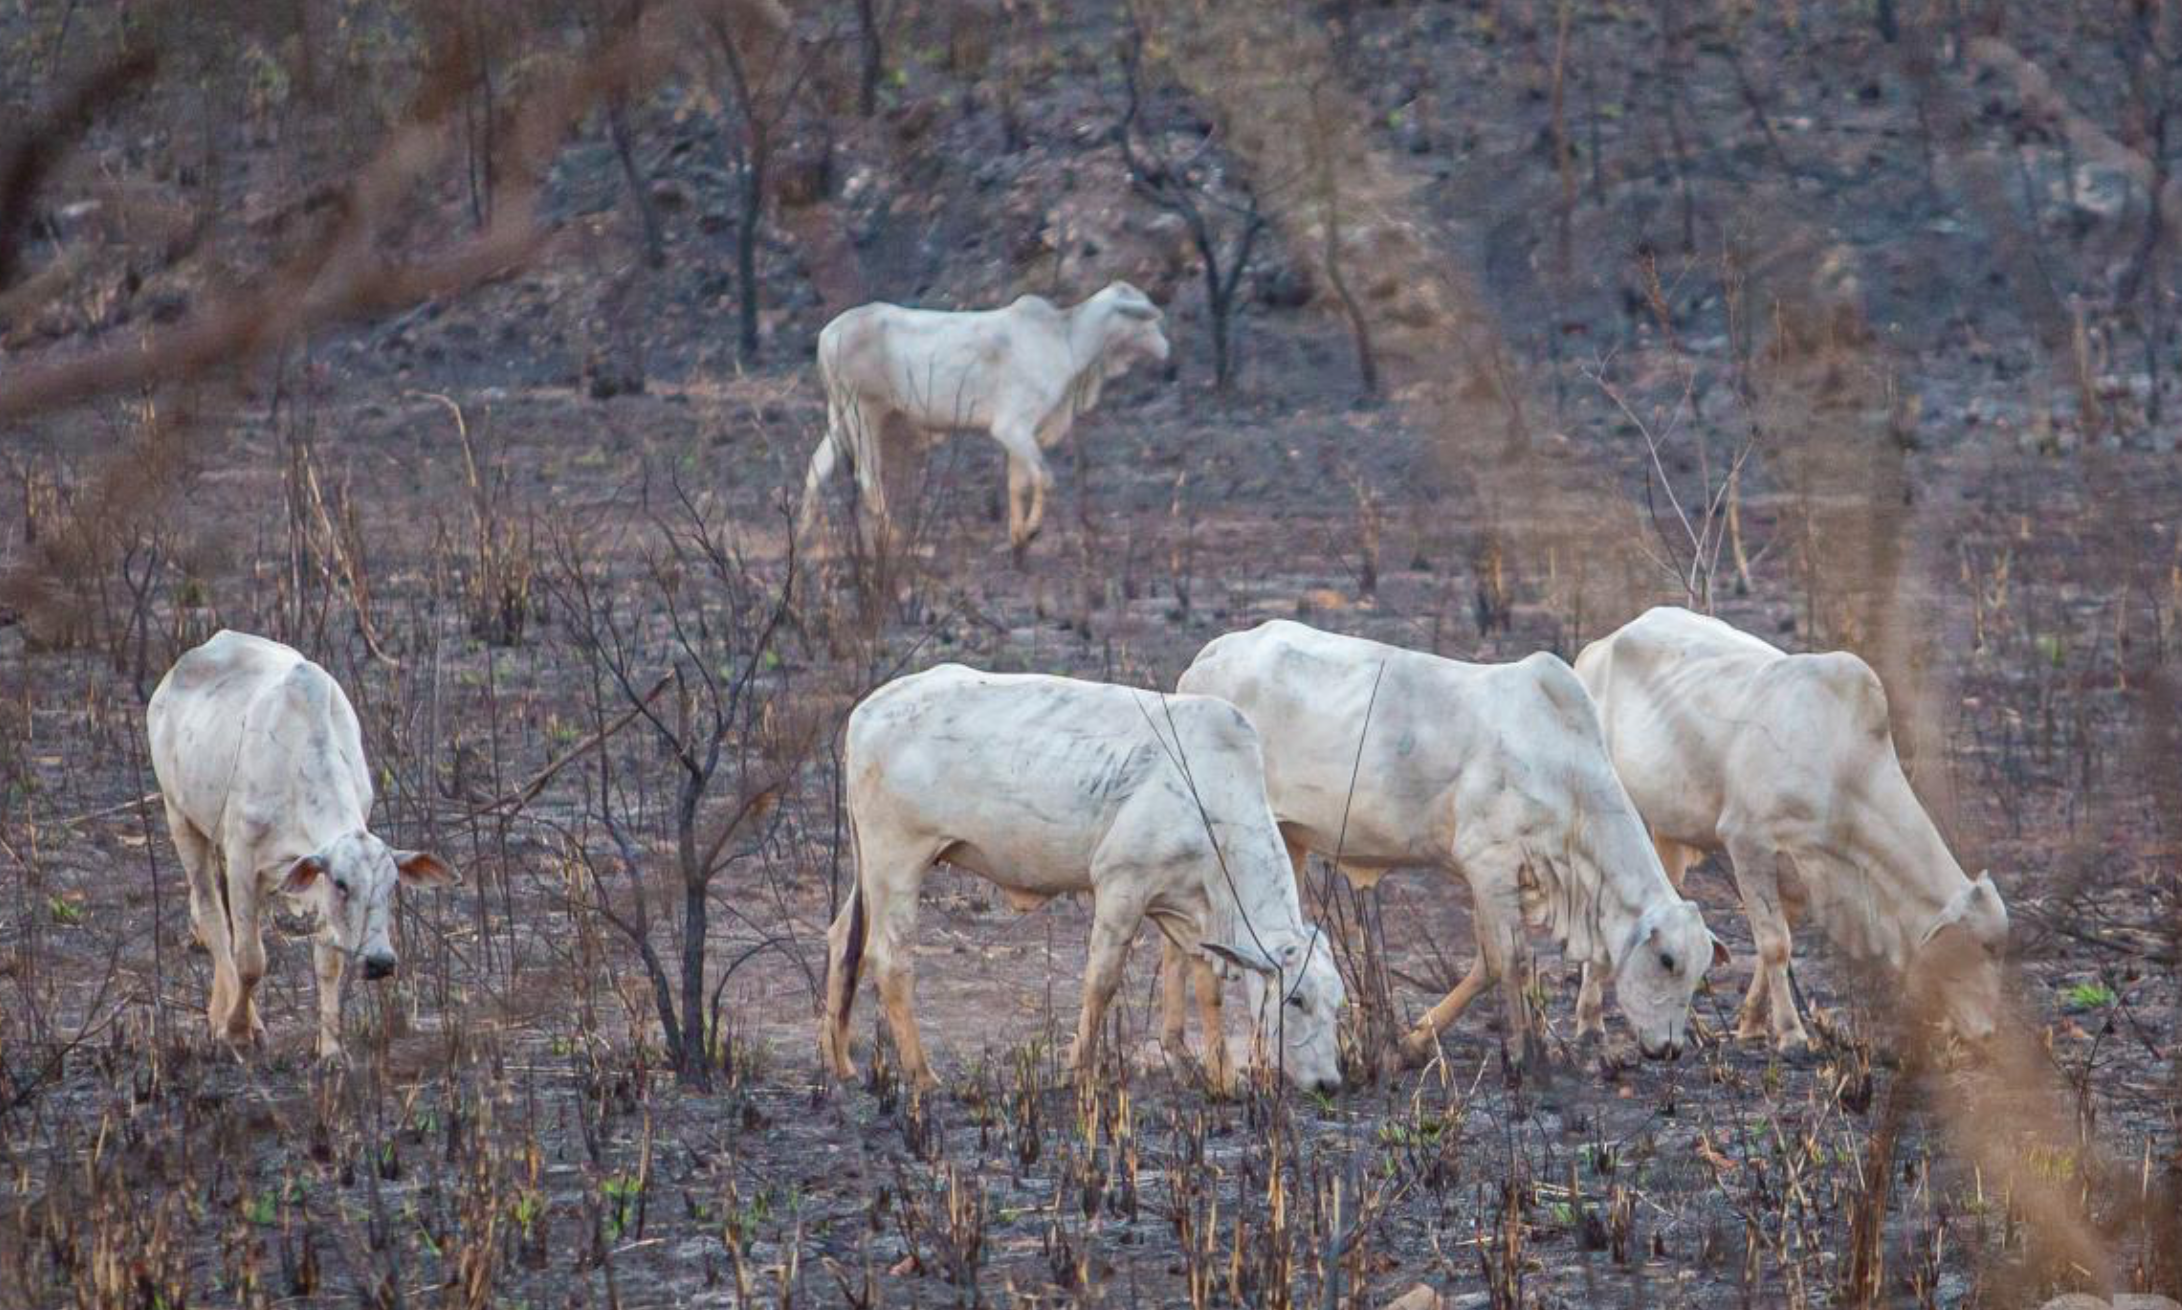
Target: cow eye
<point>341,886</point>
<point>1666,961</point>
<point>1297,1002</point>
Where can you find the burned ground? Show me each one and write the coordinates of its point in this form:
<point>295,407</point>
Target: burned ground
<point>1691,238</point>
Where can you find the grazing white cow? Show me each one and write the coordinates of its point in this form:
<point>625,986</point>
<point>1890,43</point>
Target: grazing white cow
<point>1786,762</point>
<point>1154,804</point>
<point>1492,772</point>
<point>1021,374</point>
<point>261,764</point>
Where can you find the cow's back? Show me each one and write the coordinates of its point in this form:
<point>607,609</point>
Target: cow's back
<point>242,721</point>
<point>1709,725</point>
<point>1361,738</point>
<point>943,369</point>
<point>1019,776</point>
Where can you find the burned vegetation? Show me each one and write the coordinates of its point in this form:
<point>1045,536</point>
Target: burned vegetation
<point>469,348</point>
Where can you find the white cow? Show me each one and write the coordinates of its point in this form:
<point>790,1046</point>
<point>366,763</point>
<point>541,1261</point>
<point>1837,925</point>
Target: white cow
<point>1154,804</point>
<point>1492,772</point>
<point>1786,762</point>
<point>261,764</point>
<point>1021,374</point>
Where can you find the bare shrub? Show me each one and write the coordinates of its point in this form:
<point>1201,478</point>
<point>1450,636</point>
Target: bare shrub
<point>733,740</point>
<point>498,560</point>
<point>1193,189</point>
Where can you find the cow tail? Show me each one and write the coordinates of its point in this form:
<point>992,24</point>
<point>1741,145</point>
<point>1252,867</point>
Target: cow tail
<point>843,977</point>
<point>852,956</point>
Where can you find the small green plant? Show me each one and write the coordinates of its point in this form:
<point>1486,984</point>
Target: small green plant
<point>2088,996</point>
<point>621,1192</point>
<point>65,912</point>
<point>1423,1131</point>
<point>526,1210</point>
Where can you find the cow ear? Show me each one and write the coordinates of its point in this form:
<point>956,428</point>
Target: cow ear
<point>1720,957</point>
<point>300,875</point>
<point>424,869</point>
<point>1241,957</point>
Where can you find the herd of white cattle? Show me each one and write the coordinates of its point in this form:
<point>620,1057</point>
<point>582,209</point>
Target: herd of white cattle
<point>1567,799</point>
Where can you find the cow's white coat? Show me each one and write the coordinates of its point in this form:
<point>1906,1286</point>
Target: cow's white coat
<point>260,762</point>
<point>1153,803</point>
<point>1786,762</point>
<point>1492,772</point>
<point>1021,374</point>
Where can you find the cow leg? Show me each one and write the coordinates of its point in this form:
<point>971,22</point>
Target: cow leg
<point>866,424</point>
<point>247,943</point>
<point>327,961</point>
<point>1179,973</point>
<point>1750,1018</point>
<point>833,1024</point>
<point>890,934</point>
<point>814,481</point>
<point>1218,1070</point>
<point>1517,972</point>
<point>1419,1043</point>
<point>207,922</point>
<point>1491,921</point>
<point>1504,953</point>
<point>1174,981</point>
<point>1757,879</point>
<point>1114,922</point>
<point>207,913</point>
<point>1675,858</point>
<point>1028,480</point>
<point>1590,1005</point>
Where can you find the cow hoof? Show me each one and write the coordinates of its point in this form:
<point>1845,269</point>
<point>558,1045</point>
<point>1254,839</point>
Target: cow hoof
<point>332,1057</point>
<point>1417,1049</point>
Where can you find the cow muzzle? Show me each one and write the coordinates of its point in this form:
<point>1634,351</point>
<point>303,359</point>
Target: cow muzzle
<point>377,967</point>
<point>1668,1050</point>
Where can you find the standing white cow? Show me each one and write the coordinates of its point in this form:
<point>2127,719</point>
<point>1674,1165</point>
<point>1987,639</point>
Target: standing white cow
<point>1494,773</point>
<point>1786,762</point>
<point>1154,804</point>
<point>1021,374</point>
<point>261,764</point>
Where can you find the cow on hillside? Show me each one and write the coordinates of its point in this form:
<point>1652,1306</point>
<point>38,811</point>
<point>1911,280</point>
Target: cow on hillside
<point>1020,374</point>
